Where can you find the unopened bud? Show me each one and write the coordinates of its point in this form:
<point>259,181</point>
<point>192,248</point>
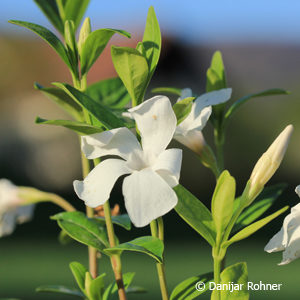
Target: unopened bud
<point>84,33</point>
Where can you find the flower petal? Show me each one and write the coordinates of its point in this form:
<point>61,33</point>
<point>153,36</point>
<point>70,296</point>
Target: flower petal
<point>7,223</point>
<point>25,213</point>
<point>156,122</point>
<point>276,242</point>
<point>292,250</point>
<point>193,140</point>
<point>95,189</point>
<point>168,165</point>
<point>119,141</point>
<point>147,197</point>
<point>185,93</point>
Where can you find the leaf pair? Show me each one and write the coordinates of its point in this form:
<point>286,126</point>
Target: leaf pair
<point>136,66</point>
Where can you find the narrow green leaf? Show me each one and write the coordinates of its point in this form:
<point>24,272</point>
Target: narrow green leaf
<point>79,271</point>
<point>97,110</point>
<point>186,290</point>
<point>121,220</point>
<point>78,127</point>
<point>182,108</point>
<point>71,44</point>
<point>216,77</point>
<point>96,288</point>
<point>237,104</point>
<point>167,90</point>
<point>263,202</point>
<point>50,9</point>
<point>74,10</point>
<point>63,100</point>
<point>48,36</point>
<point>195,213</point>
<point>149,245</point>
<point>95,44</point>
<point>152,41</point>
<point>133,70</point>
<point>82,229</point>
<point>222,201</point>
<point>110,92</point>
<point>60,289</point>
<point>249,230</point>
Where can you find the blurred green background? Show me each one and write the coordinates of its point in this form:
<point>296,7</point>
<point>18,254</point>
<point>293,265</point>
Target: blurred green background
<point>257,56</point>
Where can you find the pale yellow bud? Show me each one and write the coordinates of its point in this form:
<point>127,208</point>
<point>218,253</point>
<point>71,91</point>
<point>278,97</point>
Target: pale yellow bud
<point>269,162</point>
<point>84,33</point>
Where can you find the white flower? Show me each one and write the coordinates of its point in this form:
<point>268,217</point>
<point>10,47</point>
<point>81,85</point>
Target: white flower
<point>153,170</point>
<point>188,132</point>
<point>13,210</point>
<point>288,238</point>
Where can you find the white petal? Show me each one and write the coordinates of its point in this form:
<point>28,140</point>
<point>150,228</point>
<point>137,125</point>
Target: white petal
<point>194,140</point>
<point>119,141</point>
<point>156,122</point>
<point>297,190</point>
<point>7,223</point>
<point>292,250</point>
<point>185,93</point>
<point>95,189</point>
<point>276,242</point>
<point>147,197</point>
<point>168,165</point>
<point>213,98</point>
<point>24,213</point>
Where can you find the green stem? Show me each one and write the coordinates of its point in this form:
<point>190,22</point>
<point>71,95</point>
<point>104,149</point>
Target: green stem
<point>115,259</point>
<point>217,280</point>
<point>61,202</point>
<point>157,230</point>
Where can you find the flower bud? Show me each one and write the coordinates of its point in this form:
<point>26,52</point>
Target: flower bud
<point>268,163</point>
<point>83,34</point>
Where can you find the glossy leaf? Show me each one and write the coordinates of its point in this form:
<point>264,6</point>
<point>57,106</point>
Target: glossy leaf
<point>99,111</point>
<point>249,230</point>
<point>167,90</point>
<point>48,36</point>
<point>186,290</point>
<point>149,245</point>
<point>120,220</point>
<point>222,201</point>
<point>263,202</point>
<point>96,287</point>
<point>50,9</point>
<point>71,43</point>
<point>94,46</point>
<point>152,41</point>
<point>82,229</point>
<point>79,271</point>
<point>195,213</point>
<point>60,289</point>
<point>237,274</point>
<point>63,100</point>
<point>78,127</point>
<point>110,92</point>
<point>182,108</point>
<point>133,70</point>
<point>237,104</point>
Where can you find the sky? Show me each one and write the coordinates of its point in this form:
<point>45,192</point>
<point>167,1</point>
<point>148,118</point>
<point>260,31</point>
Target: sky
<point>211,21</point>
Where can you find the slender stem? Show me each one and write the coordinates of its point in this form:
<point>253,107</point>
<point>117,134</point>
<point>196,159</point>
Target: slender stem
<point>115,259</point>
<point>157,230</point>
<point>217,270</point>
<point>219,142</point>
<point>61,202</point>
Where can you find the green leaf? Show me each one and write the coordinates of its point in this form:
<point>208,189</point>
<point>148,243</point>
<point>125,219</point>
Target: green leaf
<point>110,92</point>
<point>95,44</point>
<point>263,202</point>
<point>50,9</point>
<point>152,41</point>
<point>74,10</point>
<point>132,68</point>
<point>237,274</point>
<point>63,100</point>
<point>237,104</point>
<point>222,201</point>
<point>79,271</point>
<point>149,245</point>
<point>249,230</point>
<point>71,43</point>
<point>60,289</point>
<point>186,289</point>
<point>182,108</point>
<point>78,127</point>
<point>121,220</point>
<point>195,213</point>
<point>96,288</point>
<point>49,37</point>
<point>97,110</point>
<point>82,229</point>
<point>167,90</point>
<point>216,78</point>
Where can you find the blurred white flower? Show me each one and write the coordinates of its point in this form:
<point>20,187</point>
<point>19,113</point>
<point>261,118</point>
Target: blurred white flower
<point>13,209</point>
<point>154,170</point>
<point>188,132</point>
<point>288,238</point>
